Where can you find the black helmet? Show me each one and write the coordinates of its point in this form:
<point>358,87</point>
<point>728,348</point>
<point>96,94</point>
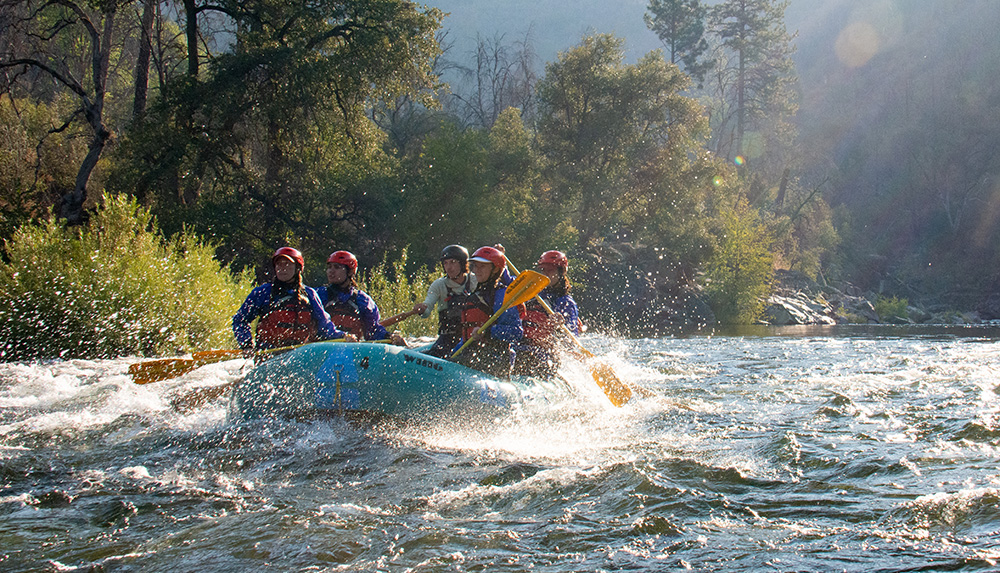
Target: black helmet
<point>457,252</point>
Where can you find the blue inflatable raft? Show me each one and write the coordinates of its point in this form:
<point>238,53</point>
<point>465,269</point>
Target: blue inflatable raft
<point>337,378</point>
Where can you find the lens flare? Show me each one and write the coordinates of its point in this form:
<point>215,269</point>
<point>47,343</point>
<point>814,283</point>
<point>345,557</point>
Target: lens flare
<point>856,44</point>
<point>740,161</point>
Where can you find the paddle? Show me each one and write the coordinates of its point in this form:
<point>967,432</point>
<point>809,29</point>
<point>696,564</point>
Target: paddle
<point>397,318</point>
<point>617,391</point>
<point>167,368</point>
<point>525,287</point>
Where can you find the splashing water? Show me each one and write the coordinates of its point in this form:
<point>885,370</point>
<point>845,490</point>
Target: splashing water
<point>776,449</point>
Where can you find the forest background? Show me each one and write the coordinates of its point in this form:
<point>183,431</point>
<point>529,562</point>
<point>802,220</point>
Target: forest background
<point>858,148</point>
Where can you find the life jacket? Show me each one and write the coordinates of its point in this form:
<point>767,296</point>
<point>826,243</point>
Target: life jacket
<point>538,325</point>
<point>288,321</point>
<point>476,309</point>
<point>450,317</point>
<point>344,314</point>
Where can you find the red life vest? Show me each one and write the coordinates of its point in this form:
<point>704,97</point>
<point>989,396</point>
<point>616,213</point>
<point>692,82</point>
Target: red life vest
<point>344,314</point>
<point>477,308</point>
<point>287,322</point>
<point>538,325</point>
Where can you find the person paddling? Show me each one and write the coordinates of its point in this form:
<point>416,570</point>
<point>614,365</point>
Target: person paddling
<point>349,307</point>
<point>492,352</point>
<point>537,354</point>
<point>288,312</point>
<point>457,282</point>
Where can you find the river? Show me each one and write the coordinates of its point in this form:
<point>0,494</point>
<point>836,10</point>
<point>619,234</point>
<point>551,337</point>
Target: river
<point>766,449</point>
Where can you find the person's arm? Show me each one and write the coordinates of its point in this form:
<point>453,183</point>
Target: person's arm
<point>508,327</point>
<point>251,308</point>
<point>566,306</point>
<point>435,293</point>
<point>370,317</point>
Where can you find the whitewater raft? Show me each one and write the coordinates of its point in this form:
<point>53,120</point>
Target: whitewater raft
<point>381,379</point>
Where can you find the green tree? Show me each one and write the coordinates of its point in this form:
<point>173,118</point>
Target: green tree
<point>754,96</point>
<point>680,25</point>
<point>605,130</point>
<point>740,273</point>
<point>478,187</point>
<point>45,39</point>
<point>275,138</point>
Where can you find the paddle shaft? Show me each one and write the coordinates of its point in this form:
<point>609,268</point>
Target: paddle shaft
<point>562,324</point>
<point>397,318</point>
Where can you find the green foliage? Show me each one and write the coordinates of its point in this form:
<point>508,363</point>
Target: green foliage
<point>680,25</point>
<point>34,158</point>
<point>621,145</point>
<point>395,290</point>
<point>740,273</point>
<point>887,307</point>
<point>478,187</point>
<point>275,140</point>
<point>754,86</point>
<point>113,288</point>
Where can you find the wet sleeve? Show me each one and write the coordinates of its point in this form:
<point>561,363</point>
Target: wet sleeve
<point>251,309</point>
<point>370,316</point>
<point>508,326</point>
<point>434,293</point>
<point>566,306</point>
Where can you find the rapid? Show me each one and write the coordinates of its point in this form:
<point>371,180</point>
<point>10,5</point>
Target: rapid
<point>766,449</point>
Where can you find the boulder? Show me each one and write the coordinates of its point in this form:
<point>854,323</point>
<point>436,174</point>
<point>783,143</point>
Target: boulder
<point>797,309</point>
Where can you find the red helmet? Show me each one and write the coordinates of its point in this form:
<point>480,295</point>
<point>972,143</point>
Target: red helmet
<point>343,258</point>
<point>555,258</point>
<point>290,253</point>
<point>490,255</point>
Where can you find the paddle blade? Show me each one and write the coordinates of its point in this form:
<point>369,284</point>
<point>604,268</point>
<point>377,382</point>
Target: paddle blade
<point>525,287</point>
<point>616,390</point>
<point>146,372</point>
<point>167,368</point>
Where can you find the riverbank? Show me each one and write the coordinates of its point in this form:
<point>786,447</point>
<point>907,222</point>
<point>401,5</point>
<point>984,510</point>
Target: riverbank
<point>798,300</point>
<point>634,291</point>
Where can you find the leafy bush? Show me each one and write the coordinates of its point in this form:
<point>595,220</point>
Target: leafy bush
<point>113,288</point>
<point>395,291</point>
<point>891,306</point>
<point>740,273</point>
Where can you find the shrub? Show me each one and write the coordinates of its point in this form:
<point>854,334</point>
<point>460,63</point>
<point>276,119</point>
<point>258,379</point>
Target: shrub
<point>116,287</point>
<point>395,291</point>
<point>740,273</point>
<point>891,306</point>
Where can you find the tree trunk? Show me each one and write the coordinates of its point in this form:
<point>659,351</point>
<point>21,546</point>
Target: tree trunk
<point>191,31</point>
<point>142,63</point>
<point>72,203</point>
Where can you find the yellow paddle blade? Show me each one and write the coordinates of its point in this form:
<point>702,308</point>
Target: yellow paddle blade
<point>156,370</point>
<point>525,287</point>
<point>167,368</point>
<point>616,390</point>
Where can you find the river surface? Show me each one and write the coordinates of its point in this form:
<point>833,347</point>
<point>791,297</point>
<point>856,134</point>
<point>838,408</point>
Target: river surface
<point>809,449</point>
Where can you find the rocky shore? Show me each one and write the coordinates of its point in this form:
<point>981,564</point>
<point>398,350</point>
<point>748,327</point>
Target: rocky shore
<point>653,296</point>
